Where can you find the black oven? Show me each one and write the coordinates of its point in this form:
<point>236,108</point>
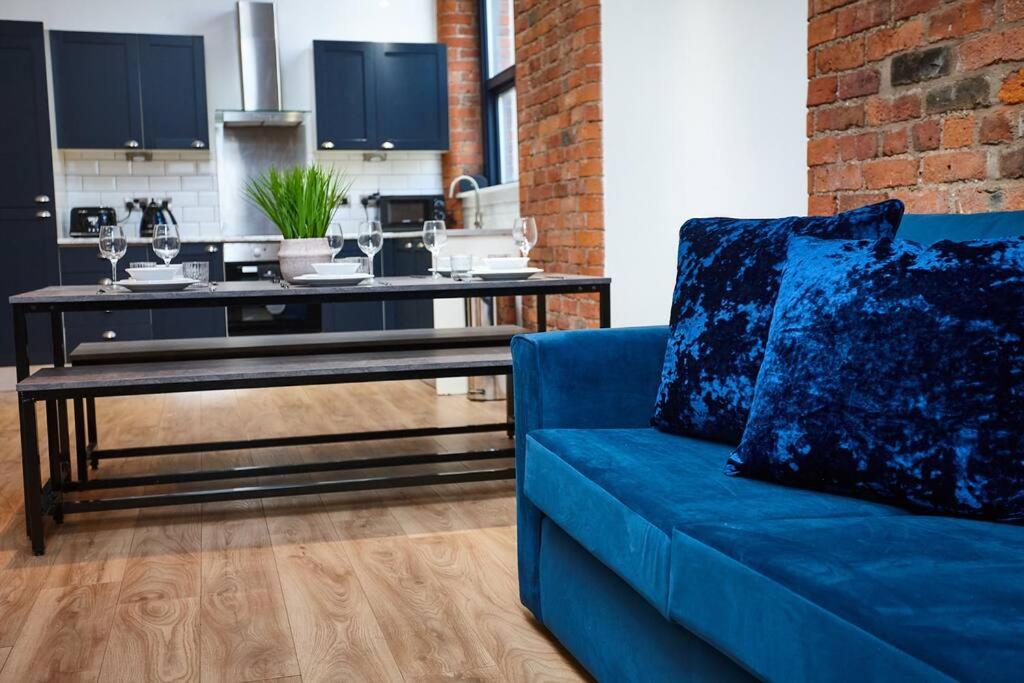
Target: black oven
<point>407,212</point>
<point>258,261</point>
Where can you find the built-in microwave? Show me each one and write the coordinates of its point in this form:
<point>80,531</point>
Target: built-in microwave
<point>407,212</point>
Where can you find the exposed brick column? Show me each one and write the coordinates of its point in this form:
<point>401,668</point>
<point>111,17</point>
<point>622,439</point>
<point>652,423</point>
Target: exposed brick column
<point>558,89</point>
<point>921,100</point>
<point>457,28</point>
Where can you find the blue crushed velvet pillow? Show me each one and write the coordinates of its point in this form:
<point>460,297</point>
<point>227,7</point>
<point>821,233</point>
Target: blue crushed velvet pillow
<point>896,371</point>
<point>727,278</point>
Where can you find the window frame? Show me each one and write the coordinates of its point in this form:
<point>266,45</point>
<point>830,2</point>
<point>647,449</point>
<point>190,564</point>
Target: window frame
<point>490,89</point>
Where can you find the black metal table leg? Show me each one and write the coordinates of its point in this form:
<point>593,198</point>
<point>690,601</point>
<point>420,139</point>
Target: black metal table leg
<point>604,294</point>
<point>56,462</point>
<point>59,361</point>
<point>31,474</point>
<point>81,452</point>
<point>542,313</point>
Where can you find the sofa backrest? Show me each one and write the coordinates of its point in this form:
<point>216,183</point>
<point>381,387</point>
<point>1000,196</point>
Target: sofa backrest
<point>931,228</point>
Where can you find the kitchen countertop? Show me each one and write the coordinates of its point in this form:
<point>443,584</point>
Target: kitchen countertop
<point>403,234</point>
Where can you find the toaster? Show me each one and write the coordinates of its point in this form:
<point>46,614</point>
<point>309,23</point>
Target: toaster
<point>86,221</point>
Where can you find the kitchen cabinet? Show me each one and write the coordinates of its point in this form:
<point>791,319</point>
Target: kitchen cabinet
<point>174,323</point>
<point>407,256</point>
<point>354,316</point>
<point>381,95</point>
<point>116,90</point>
<point>28,229</point>
<point>83,265</point>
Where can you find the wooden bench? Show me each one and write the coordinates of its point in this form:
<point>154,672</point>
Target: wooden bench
<point>211,348</point>
<point>76,383</point>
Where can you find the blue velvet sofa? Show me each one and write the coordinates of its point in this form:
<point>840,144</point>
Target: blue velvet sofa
<point>649,564</point>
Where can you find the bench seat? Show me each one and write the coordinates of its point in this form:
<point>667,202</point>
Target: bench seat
<point>96,353</point>
<point>123,379</point>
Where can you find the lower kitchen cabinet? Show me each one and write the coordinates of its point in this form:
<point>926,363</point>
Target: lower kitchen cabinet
<point>356,316</point>
<point>174,323</point>
<point>407,256</point>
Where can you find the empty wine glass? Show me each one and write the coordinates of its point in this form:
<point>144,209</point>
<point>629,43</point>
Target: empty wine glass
<point>335,239</point>
<point>166,241</point>
<point>524,234</point>
<point>434,236</point>
<point>113,245</point>
<point>370,239</point>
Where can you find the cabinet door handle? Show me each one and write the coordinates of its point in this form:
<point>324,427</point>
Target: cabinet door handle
<point>131,144</point>
<point>408,245</point>
<point>105,282</point>
<point>326,144</point>
<point>109,335</point>
<point>198,144</point>
<point>211,249</point>
<point>43,214</point>
<point>387,144</point>
<point>42,199</point>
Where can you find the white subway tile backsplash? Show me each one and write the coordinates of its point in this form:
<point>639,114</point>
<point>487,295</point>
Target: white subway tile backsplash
<point>208,199</point>
<point>206,168</point>
<point>132,183</point>
<point>210,229</point>
<point>189,230</point>
<point>98,183</point>
<point>180,200</point>
<point>84,199</point>
<point>81,167</point>
<point>115,168</point>
<point>197,182</point>
<point>72,183</point>
<point>180,168</point>
<point>148,168</point>
<point>165,183</point>
<point>200,214</point>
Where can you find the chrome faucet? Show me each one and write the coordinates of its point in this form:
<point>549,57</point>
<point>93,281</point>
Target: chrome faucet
<point>478,219</point>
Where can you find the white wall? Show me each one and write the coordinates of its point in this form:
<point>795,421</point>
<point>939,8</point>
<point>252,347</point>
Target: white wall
<point>704,114</point>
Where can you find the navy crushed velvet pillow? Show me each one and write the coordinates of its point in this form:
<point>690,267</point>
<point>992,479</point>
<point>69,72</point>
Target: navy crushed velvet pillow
<point>727,278</point>
<point>896,371</point>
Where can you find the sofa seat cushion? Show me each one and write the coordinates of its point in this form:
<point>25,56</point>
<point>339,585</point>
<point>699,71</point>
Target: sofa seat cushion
<point>899,598</point>
<point>620,492</point>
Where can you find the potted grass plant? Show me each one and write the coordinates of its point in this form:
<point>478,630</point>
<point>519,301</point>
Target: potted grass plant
<point>300,201</point>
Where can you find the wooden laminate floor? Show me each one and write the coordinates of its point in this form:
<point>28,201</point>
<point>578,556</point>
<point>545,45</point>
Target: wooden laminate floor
<point>401,585</point>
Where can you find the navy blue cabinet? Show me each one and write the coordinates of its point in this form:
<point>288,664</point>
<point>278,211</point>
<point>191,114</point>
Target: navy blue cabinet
<point>173,80</point>
<point>354,316</point>
<point>28,229</point>
<point>175,323</point>
<point>381,95</point>
<point>407,256</point>
<point>124,90</point>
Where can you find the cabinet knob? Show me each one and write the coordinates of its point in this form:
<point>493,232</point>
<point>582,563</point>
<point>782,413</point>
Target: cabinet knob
<point>408,245</point>
<point>387,144</point>
<point>109,335</point>
<point>42,199</point>
<point>131,144</point>
<point>198,144</point>
<point>211,249</point>
<point>43,214</point>
<point>326,144</point>
<point>105,282</point>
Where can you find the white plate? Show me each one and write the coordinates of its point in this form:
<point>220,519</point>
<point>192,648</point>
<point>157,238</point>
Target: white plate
<point>174,285</point>
<point>331,280</point>
<point>517,274</point>
<point>336,268</point>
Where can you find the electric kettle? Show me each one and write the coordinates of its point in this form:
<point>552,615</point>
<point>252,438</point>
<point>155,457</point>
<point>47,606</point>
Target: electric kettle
<point>156,214</point>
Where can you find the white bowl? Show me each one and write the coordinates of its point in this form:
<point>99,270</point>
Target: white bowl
<point>156,273</point>
<point>336,268</point>
<point>506,262</point>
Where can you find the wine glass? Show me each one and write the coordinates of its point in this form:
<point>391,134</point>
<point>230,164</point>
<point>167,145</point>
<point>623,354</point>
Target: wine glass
<point>113,245</point>
<point>370,239</point>
<point>524,234</point>
<point>335,239</point>
<point>166,242</point>
<point>434,236</point>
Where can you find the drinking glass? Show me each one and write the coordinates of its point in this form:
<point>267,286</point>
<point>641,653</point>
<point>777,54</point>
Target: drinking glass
<point>113,245</point>
<point>461,265</point>
<point>166,241</point>
<point>524,234</point>
<point>434,236</point>
<point>197,270</point>
<point>370,239</point>
<point>335,239</point>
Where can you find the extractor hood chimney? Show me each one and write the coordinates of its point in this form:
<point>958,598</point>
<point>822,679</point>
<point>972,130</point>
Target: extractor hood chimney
<point>261,72</point>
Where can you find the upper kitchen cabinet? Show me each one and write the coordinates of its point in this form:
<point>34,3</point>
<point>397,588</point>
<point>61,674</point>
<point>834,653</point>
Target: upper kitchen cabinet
<point>124,90</point>
<point>381,95</point>
<point>172,74</point>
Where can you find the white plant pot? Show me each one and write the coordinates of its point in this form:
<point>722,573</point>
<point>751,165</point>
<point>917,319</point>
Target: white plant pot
<point>297,256</point>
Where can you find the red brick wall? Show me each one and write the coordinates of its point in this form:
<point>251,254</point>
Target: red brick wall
<point>558,89</point>
<point>922,100</point>
<point>457,28</point>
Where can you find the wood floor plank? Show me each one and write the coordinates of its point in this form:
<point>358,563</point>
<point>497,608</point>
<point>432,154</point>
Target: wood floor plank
<point>337,637</point>
<point>164,562</point>
<point>64,636</point>
<point>153,640</point>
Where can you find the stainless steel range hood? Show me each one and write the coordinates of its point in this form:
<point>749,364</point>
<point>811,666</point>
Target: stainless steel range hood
<point>260,70</point>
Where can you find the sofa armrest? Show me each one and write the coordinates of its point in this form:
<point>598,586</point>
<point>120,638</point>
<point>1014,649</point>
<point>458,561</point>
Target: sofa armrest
<point>596,379</point>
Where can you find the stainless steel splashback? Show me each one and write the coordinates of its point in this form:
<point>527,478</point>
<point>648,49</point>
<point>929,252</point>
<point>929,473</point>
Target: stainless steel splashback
<point>244,152</point>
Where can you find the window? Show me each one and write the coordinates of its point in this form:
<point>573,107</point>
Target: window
<point>501,133</point>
